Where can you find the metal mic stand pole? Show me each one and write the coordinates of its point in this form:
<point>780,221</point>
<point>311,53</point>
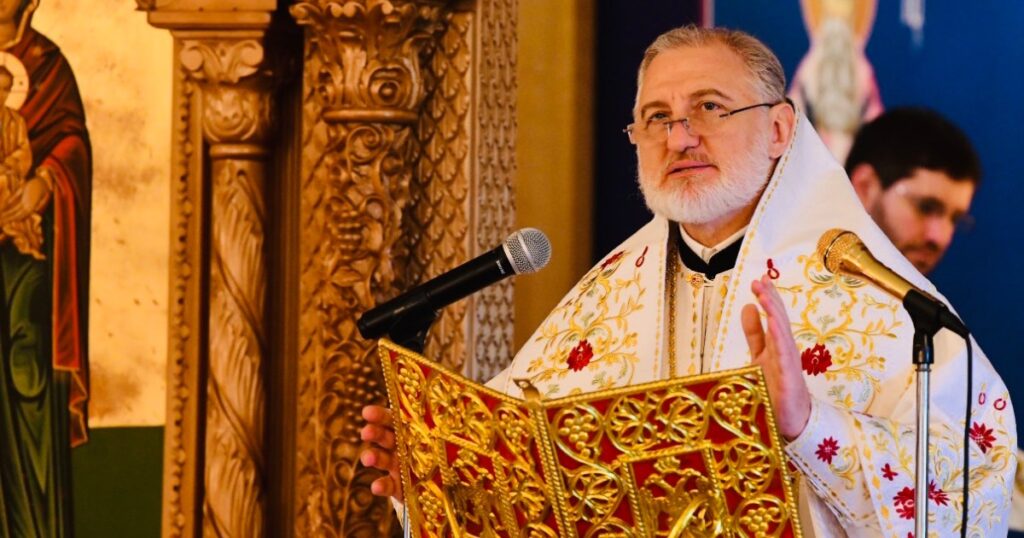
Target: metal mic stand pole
<point>924,357</point>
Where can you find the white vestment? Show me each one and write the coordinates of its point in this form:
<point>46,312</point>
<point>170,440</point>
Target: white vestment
<point>855,458</point>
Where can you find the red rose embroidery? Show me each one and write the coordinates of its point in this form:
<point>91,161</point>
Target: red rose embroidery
<point>827,450</point>
<point>905,503</point>
<point>612,259</point>
<point>905,499</point>
<point>982,436</point>
<point>580,355</point>
<point>816,360</point>
<point>888,473</point>
<point>937,495</point>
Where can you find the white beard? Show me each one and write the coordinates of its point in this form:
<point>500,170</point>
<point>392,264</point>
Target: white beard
<point>697,201</point>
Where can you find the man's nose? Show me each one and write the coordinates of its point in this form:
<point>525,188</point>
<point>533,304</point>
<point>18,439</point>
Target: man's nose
<point>679,136</point>
<point>939,230</point>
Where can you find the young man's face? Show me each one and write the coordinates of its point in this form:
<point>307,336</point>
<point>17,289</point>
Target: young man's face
<point>919,213</point>
<point>701,177</point>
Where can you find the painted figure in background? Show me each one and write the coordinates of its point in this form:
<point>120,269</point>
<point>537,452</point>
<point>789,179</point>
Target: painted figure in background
<point>43,291</point>
<point>16,152</point>
<point>834,83</point>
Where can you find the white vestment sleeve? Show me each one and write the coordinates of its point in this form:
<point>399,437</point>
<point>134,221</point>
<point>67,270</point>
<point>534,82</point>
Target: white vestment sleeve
<point>862,465</point>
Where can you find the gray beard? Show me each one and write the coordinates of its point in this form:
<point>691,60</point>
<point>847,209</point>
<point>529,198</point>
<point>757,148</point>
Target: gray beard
<point>736,187</point>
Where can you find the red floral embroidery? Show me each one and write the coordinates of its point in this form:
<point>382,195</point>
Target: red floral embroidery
<point>580,355</point>
<point>888,473</point>
<point>937,495</point>
<point>905,500</point>
<point>612,259</point>
<point>905,503</point>
<point>816,360</point>
<point>773,273</point>
<point>983,436</point>
<point>643,256</point>
<point>1000,404</point>
<point>827,450</point>
<point>981,398</point>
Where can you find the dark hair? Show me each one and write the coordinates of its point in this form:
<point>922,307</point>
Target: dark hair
<point>904,139</point>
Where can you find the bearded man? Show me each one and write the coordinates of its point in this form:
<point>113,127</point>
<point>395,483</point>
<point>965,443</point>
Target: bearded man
<point>915,173</point>
<point>742,189</point>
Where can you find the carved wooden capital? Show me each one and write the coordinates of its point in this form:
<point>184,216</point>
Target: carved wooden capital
<point>236,90</point>
<point>234,115</point>
<point>370,55</point>
<point>221,60</point>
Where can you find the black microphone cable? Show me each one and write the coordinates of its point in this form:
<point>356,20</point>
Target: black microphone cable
<point>967,436</point>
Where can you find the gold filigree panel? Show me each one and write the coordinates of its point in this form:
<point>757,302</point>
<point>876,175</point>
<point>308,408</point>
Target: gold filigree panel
<point>695,456</point>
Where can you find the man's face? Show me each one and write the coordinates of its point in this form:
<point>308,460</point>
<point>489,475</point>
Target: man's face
<point>696,177</point>
<point>919,213</point>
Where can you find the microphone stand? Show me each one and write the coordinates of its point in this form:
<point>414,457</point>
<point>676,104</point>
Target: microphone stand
<point>926,318</point>
<point>924,357</point>
<point>411,332</point>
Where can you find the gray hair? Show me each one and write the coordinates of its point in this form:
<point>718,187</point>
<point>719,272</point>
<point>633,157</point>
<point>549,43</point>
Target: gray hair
<point>770,79</point>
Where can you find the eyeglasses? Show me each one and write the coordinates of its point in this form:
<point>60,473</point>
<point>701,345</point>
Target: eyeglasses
<point>929,207</point>
<point>706,118</point>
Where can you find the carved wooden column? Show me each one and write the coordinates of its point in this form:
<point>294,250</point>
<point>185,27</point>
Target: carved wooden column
<point>363,89</point>
<point>236,105</point>
<point>394,163</point>
<point>215,447</point>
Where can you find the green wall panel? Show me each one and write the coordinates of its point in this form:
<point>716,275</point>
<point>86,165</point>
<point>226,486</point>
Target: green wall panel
<point>116,483</point>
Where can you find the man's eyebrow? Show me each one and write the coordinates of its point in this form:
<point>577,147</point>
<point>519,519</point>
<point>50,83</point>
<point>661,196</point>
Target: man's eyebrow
<point>701,93</point>
<point>709,92</point>
<point>649,106</point>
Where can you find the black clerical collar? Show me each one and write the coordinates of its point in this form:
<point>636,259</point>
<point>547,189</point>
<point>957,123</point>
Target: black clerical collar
<point>722,261</point>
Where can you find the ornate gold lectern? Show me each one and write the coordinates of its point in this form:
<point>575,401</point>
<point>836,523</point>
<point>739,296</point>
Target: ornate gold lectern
<point>694,456</point>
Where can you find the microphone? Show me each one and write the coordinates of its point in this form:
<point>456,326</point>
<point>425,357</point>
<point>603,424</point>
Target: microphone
<point>844,253</point>
<point>525,251</point>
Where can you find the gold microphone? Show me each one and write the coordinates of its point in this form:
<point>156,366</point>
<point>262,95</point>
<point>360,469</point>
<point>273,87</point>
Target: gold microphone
<point>843,252</point>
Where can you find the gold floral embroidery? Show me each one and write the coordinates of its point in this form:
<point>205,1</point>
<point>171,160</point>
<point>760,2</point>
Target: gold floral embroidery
<point>847,466</point>
<point>598,315</point>
<point>837,313</point>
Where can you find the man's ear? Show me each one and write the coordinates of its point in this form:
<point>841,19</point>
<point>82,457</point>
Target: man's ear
<point>867,184</point>
<point>783,119</point>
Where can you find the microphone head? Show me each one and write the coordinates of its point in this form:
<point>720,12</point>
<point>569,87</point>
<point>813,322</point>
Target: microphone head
<point>528,250</point>
<point>834,245</point>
